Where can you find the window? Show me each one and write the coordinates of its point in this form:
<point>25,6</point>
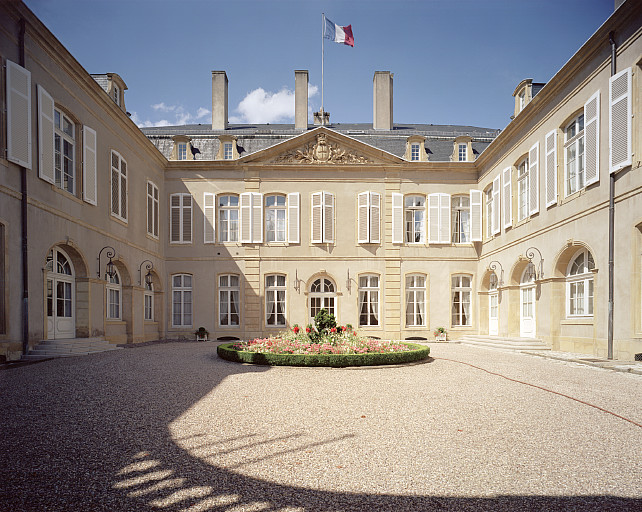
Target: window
<point>579,285</point>
<point>414,152</point>
<point>463,152</point>
<point>228,217</point>
<point>182,151</point>
<point>118,186</point>
<point>228,303</point>
<point>322,218</point>
<point>461,219</point>
<point>522,189</point>
<point>461,294</point>
<point>521,101</point>
<point>113,289</point>
<point>227,151</point>
<point>275,300</point>
<point>489,212</point>
<point>369,300</point>
<point>3,325</point>
<point>415,300</point>
<point>369,218</point>
<point>64,148</point>
<point>414,216</point>
<point>180,228</point>
<point>275,218</point>
<point>574,155</point>
<point>116,91</point>
<point>152,209</point>
<point>322,296</point>
<point>182,300</point>
<point>149,301</point>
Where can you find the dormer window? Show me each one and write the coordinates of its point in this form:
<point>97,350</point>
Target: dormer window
<point>116,91</point>
<point>414,152</point>
<point>521,100</point>
<point>182,151</point>
<point>463,153</point>
<point>114,86</point>
<point>227,151</point>
<point>182,148</point>
<point>462,149</point>
<point>416,149</point>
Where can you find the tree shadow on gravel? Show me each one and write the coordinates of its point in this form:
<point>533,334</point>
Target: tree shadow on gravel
<point>92,433</point>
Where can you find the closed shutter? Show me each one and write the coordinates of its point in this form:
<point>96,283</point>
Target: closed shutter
<point>438,218</point>
<point>89,185</point>
<point>433,218</point>
<point>592,139</point>
<point>363,205</point>
<point>476,215</point>
<point>123,189</point>
<point>257,218</point>
<point>317,218</point>
<point>550,148</point>
<point>375,218</point>
<point>533,179</point>
<point>175,218</point>
<point>187,218</point>
<point>294,200</point>
<point>19,115</point>
<point>46,136</point>
<point>496,205</point>
<point>444,218</point>
<point>209,218</point>
<point>246,217</point>
<point>328,217</point>
<point>397,218</point>
<point>620,120</point>
<point>508,197</point>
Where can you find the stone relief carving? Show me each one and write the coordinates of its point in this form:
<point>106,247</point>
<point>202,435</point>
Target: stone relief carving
<point>322,152</point>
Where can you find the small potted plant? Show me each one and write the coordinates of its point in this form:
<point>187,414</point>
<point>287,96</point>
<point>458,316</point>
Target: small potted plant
<point>440,334</point>
<point>201,334</point>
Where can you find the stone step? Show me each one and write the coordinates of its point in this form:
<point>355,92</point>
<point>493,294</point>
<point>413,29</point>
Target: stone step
<point>506,343</point>
<point>48,349</point>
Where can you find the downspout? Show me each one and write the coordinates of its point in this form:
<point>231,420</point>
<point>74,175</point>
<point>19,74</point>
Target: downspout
<point>23,220</point>
<point>611,222</point>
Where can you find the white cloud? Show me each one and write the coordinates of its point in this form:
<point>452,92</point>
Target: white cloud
<point>181,116</point>
<point>260,106</point>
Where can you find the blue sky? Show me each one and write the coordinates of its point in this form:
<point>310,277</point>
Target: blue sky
<point>454,61</point>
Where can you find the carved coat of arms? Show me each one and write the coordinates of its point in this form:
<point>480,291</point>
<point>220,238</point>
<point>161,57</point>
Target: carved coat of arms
<point>322,152</point>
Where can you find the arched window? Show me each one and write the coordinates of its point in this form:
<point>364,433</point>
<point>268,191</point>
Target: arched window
<point>579,285</point>
<point>114,289</point>
<point>416,300</point>
<point>149,301</point>
<point>369,300</point>
<point>461,297</point>
<point>322,296</point>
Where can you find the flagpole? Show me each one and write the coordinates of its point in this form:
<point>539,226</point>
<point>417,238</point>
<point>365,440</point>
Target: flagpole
<point>322,59</point>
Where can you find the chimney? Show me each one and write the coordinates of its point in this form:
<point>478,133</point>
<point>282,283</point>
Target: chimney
<point>301,99</point>
<point>382,100</point>
<point>219,100</point>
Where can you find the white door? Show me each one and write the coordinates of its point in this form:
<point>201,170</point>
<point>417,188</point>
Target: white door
<point>527,312</point>
<point>60,296</point>
<point>493,314</point>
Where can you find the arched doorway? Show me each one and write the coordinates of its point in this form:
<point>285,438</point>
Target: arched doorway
<point>527,321</point>
<point>60,299</point>
<point>323,295</point>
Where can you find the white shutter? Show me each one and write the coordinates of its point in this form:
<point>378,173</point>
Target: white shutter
<point>433,218</point>
<point>89,185</point>
<point>533,178</point>
<point>328,217</point>
<point>397,218</point>
<point>496,205</point>
<point>476,215</point>
<point>257,218</point>
<point>46,136</point>
<point>19,115</point>
<point>508,197</point>
<point>620,120</point>
<point>186,213</point>
<point>444,218</point>
<point>317,218</point>
<point>175,218</point>
<point>550,163</point>
<point>375,218</point>
<point>438,218</point>
<point>209,218</point>
<point>363,221</point>
<point>592,139</point>
<point>246,217</point>
<point>293,217</point>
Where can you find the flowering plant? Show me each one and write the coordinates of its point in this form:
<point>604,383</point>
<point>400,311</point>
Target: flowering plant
<point>440,331</point>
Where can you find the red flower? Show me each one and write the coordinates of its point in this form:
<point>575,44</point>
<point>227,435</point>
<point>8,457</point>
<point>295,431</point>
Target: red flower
<point>334,329</point>
<point>296,330</point>
<point>354,333</point>
<point>308,330</point>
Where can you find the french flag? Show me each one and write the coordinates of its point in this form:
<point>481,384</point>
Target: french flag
<point>337,33</point>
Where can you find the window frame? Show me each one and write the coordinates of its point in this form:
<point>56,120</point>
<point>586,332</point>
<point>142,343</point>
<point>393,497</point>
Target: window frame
<point>575,142</point>
<point>587,282</point>
<point>275,289</point>
<point>122,179</point>
<point>228,151</point>
<point>148,302</point>
<point>182,289</point>
<point>276,208</point>
<point>412,290</point>
<point>113,296</point>
<point>182,210</point>
<point>410,225</point>
<point>153,209</point>
<point>60,138</point>
<point>415,149</point>
<point>220,208</point>
<point>523,189</point>
<point>456,214</point>
<point>181,151</point>
<point>365,298</point>
<point>456,286</point>
<point>225,296</point>
<point>462,152</point>
<point>323,297</point>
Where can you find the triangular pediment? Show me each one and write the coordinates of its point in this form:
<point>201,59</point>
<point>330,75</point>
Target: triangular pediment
<point>322,146</point>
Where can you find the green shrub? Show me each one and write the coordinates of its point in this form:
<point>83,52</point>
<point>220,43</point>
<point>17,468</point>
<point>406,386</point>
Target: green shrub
<point>324,321</point>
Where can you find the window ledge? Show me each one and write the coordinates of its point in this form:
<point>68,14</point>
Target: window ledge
<point>67,194</point>
<point>581,320</point>
<point>152,237</point>
<point>115,321</point>
<point>119,220</point>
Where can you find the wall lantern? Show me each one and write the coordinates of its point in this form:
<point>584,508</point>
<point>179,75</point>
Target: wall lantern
<point>494,281</point>
<point>534,272</point>
<point>110,270</point>
<point>148,276</point>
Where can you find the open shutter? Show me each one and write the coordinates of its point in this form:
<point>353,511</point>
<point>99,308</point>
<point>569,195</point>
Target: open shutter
<point>328,217</point>
<point>375,218</point>
<point>293,217</point>
<point>89,186</point>
<point>508,197</point>
<point>246,217</point>
<point>19,115</point>
<point>620,120</point>
<point>444,218</point>
<point>209,218</point>
<point>187,218</point>
<point>550,163</point>
<point>476,215</point>
<point>363,222</point>
<point>592,139</point>
<point>533,179</point>
<point>175,218</point>
<point>433,218</point>
<point>257,218</point>
<point>46,136</point>
<point>317,218</point>
<point>397,218</point>
<point>497,184</point>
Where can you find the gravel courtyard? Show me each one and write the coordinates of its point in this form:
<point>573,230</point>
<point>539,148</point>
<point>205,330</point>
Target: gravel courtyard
<point>170,427</point>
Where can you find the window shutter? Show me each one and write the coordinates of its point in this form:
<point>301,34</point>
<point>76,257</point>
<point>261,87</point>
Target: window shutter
<point>209,218</point>
<point>533,178</point>
<point>317,218</point>
<point>444,218</point>
<point>246,217</point>
<point>433,218</point>
<point>550,147</point>
<point>89,192</point>
<point>175,218</point>
<point>46,140</point>
<point>257,218</point>
<point>620,120</point>
<point>496,205</point>
<point>363,202</point>
<point>19,115</point>
<point>508,197</point>
<point>293,217</point>
<point>476,215</point>
<point>328,217</point>
<point>397,218</point>
<point>592,139</point>
<point>375,218</point>
<point>187,218</point>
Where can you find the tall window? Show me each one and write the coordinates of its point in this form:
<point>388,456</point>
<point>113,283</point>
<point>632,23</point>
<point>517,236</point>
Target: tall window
<point>522,189</point>
<point>2,282</point>
<point>275,218</point>
<point>521,100</point>
<point>227,151</point>
<point>118,186</point>
<point>461,219</point>
<point>415,215</point>
<point>322,296</point>
<point>275,300</point>
<point>152,209</point>
<point>182,150</point>
<point>579,285</point>
<point>114,289</point>
<point>369,300</point>
<point>64,144</point>
<point>181,218</point>
<point>574,155</point>
<point>415,300</point>
<point>489,212</point>
<point>414,152</point>
<point>149,301</point>
<point>461,295</point>
<point>182,300</point>
<point>228,218</point>
<point>116,91</point>
<point>228,300</point>
<point>463,152</point>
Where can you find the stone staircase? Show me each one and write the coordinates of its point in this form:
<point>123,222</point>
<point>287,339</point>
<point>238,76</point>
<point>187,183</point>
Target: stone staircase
<point>47,349</point>
<point>505,343</point>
